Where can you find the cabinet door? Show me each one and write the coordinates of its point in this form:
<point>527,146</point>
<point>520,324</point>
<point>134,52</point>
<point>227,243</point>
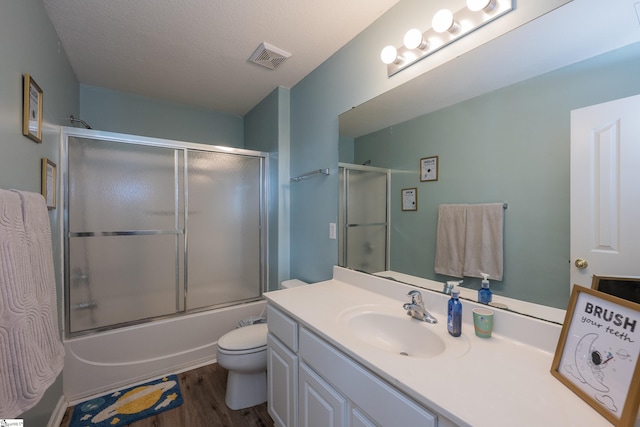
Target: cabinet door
<point>320,404</point>
<point>359,419</point>
<point>282,383</point>
<point>363,388</point>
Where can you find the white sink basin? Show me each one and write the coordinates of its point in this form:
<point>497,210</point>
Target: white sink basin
<point>398,335</point>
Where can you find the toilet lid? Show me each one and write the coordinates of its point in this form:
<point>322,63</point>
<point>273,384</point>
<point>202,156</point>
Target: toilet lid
<point>245,338</point>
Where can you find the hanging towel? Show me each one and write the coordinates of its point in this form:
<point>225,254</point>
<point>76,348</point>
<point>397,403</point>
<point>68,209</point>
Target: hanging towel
<point>31,353</point>
<point>483,251</point>
<point>450,240</point>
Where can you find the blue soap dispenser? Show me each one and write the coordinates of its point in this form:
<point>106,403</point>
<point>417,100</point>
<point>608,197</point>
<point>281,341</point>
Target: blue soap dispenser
<point>484,293</point>
<point>454,313</point>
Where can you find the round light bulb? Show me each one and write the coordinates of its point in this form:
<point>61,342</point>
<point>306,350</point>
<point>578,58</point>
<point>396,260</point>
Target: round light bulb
<point>389,55</point>
<point>413,39</point>
<point>443,21</point>
<point>478,5</point>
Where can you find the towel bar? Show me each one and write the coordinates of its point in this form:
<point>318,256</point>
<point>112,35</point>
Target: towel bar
<point>309,174</point>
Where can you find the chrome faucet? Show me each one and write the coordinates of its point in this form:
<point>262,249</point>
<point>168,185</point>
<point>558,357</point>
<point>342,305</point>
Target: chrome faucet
<point>416,309</point>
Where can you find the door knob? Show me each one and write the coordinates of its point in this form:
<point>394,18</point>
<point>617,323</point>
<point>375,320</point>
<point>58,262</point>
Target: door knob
<point>581,263</point>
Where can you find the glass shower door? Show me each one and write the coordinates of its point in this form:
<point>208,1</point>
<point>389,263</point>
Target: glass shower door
<point>363,217</point>
<point>224,222</point>
<point>157,228</point>
<point>125,231</point>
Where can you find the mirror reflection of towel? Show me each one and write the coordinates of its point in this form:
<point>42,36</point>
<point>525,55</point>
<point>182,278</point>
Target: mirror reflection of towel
<point>483,252</point>
<point>470,240</point>
<point>450,240</point>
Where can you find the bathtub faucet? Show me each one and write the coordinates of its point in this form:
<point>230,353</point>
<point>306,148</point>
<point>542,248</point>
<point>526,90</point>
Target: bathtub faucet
<point>416,309</point>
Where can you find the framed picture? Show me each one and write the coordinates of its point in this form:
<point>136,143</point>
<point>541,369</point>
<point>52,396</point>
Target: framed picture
<point>409,199</point>
<point>429,169</point>
<point>49,182</point>
<point>622,287</point>
<point>597,353</point>
<point>31,109</point>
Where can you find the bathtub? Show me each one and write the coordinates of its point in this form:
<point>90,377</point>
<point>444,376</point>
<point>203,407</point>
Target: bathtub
<point>97,364</point>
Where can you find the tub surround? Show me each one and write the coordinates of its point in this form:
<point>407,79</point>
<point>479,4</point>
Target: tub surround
<point>98,363</point>
<point>501,381</point>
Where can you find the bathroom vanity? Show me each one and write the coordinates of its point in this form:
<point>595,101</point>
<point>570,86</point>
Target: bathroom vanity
<point>344,353</point>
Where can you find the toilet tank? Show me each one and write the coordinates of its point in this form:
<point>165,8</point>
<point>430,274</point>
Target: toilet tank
<point>293,283</point>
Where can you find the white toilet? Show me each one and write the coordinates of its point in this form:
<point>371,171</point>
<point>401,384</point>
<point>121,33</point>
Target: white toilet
<point>243,352</point>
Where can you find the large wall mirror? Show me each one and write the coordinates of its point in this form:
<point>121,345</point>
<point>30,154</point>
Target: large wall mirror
<point>497,143</point>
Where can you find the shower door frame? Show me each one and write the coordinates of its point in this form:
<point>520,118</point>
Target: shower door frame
<point>343,215</point>
<point>181,306</point>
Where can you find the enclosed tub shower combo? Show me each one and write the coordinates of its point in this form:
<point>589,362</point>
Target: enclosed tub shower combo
<point>164,251</point>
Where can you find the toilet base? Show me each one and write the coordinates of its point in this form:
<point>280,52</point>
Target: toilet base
<point>246,389</point>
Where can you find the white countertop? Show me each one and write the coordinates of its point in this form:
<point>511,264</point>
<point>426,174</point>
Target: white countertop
<point>501,381</point>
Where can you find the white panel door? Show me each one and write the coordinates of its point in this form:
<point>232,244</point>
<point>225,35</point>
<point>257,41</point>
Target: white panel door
<point>605,190</point>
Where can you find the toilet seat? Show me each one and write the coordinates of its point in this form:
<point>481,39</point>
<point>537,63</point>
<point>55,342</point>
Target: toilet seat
<point>245,340</point>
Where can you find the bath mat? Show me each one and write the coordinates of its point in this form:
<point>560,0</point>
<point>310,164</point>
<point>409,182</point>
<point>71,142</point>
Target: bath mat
<point>126,406</point>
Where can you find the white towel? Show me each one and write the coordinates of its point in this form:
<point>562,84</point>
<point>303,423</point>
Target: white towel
<point>450,240</point>
<point>483,252</point>
<point>31,353</point>
<point>469,240</point>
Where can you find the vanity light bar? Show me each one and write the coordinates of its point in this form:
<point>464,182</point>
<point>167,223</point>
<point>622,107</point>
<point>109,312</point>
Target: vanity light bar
<point>446,28</point>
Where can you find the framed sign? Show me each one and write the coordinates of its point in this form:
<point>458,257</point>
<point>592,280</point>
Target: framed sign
<point>409,199</point>
<point>31,109</point>
<point>597,353</point>
<point>429,169</point>
<point>49,179</point>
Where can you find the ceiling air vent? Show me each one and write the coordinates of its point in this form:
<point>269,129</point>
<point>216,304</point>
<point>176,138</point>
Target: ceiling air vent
<point>269,56</point>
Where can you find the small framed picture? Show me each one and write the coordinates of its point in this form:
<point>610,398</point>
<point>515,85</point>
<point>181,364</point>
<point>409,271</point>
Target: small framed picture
<point>429,169</point>
<point>31,109</point>
<point>409,199</point>
<point>597,353</point>
<point>49,182</point>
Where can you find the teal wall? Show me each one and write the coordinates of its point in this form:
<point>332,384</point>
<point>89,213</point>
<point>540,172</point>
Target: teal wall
<point>346,149</point>
<point>28,44</point>
<point>351,76</point>
<point>115,111</point>
<point>513,146</point>
<point>266,128</point>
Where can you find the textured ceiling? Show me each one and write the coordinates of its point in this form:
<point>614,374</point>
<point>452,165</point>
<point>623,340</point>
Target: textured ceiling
<point>196,51</point>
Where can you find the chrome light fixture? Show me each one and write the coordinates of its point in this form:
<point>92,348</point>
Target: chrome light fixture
<point>446,27</point>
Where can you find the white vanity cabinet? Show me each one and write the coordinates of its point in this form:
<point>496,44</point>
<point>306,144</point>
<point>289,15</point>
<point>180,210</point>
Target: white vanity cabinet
<point>282,368</point>
<point>331,389</point>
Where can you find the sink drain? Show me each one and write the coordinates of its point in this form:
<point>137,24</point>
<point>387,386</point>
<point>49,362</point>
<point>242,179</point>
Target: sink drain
<point>404,353</point>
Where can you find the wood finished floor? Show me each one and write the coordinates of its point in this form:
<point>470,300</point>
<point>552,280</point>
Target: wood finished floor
<point>203,392</point>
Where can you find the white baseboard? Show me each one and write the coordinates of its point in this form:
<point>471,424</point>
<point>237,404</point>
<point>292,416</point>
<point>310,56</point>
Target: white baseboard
<point>58,413</point>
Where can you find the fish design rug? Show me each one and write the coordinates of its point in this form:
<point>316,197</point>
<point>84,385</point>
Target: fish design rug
<point>128,405</point>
